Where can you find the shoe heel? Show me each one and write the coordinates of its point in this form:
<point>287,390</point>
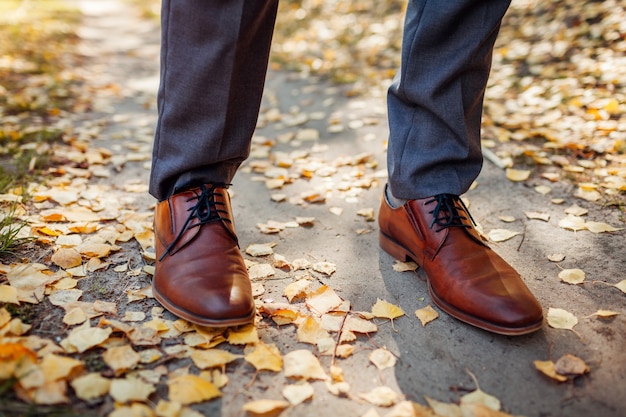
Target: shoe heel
<point>392,248</point>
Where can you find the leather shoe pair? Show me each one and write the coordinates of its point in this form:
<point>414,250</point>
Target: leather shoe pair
<point>465,277</point>
<point>200,273</point>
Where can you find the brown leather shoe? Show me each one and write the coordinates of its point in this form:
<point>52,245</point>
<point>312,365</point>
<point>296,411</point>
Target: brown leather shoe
<point>466,278</point>
<point>200,273</point>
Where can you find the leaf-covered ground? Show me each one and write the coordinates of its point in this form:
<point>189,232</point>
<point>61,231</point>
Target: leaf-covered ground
<point>79,330</point>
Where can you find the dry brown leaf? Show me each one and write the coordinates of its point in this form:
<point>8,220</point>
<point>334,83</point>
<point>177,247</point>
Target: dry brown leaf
<point>326,268</point>
<point>8,294</point>
<point>84,337</point>
<point>569,364</point>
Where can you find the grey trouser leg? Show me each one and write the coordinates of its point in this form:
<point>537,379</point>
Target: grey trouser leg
<point>435,102</point>
<point>214,58</point>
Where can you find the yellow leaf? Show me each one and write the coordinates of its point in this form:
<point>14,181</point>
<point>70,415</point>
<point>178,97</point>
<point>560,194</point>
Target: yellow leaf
<point>265,407</point>
<point>59,367</point>
<point>310,331</point>
<point>572,276</point>
<point>8,294</point>
<point>500,235</point>
<point>297,289</point>
<point>548,369</point>
<point>168,408</point>
<point>189,389</point>
<point>573,223</point>
<point>130,389</point>
<point>605,314</point>
<point>426,315</point>
<point>480,397</point>
<point>517,174</point>
<point>561,319</point>
<point>90,386</point>
<point>204,359</point>
<point>243,335</point>
<point>265,357</point>
<point>381,396</point>
<point>303,364</point>
<point>384,309</point>
<point>599,227</point>
<point>382,358</point>
<point>66,258</point>
<point>84,337</point>
<point>75,316</point>
<point>443,409</point>
<point>298,393</point>
<point>323,300</point>
<point>133,410</point>
<point>121,358</point>
<point>535,215</point>
<point>621,285</point>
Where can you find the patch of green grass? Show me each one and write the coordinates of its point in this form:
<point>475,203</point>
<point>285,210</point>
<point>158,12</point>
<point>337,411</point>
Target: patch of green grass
<point>10,228</point>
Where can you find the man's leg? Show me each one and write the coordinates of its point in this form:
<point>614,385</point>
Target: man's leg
<point>213,66</point>
<point>435,108</point>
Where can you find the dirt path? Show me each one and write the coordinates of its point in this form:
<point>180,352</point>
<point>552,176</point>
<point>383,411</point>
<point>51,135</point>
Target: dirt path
<point>433,361</point>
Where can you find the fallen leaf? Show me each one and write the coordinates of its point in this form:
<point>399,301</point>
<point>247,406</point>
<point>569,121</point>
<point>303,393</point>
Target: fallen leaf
<point>573,223</point>
<point>298,393</point>
<point>426,315</point>
<point>548,369</point>
<point>382,358</point>
<point>556,257</point>
<point>303,364</point>
<point>190,389</point>
<point>400,266</point>
<point>604,314</point>
<point>572,276</point>
<point>323,300</point>
<point>91,386</point>
<point>297,289</point>
<point>384,309</point>
<point>381,396</point>
<point>561,319</point>
<point>535,215</point>
<point>121,358</point>
<point>204,359</point>
<point>517,174</point>
<point>265,408</point>
<point>265,357</point>
<point>569,364</point>
<point>599,227</point>
<point>130,389</point>
<point>501,235</point>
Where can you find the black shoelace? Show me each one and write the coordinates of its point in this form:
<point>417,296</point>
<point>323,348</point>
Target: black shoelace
<point>205,211</point>
<point>446,213</point>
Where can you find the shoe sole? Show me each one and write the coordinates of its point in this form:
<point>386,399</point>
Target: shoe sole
<point>202,321</point>
<point>400,253</point>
